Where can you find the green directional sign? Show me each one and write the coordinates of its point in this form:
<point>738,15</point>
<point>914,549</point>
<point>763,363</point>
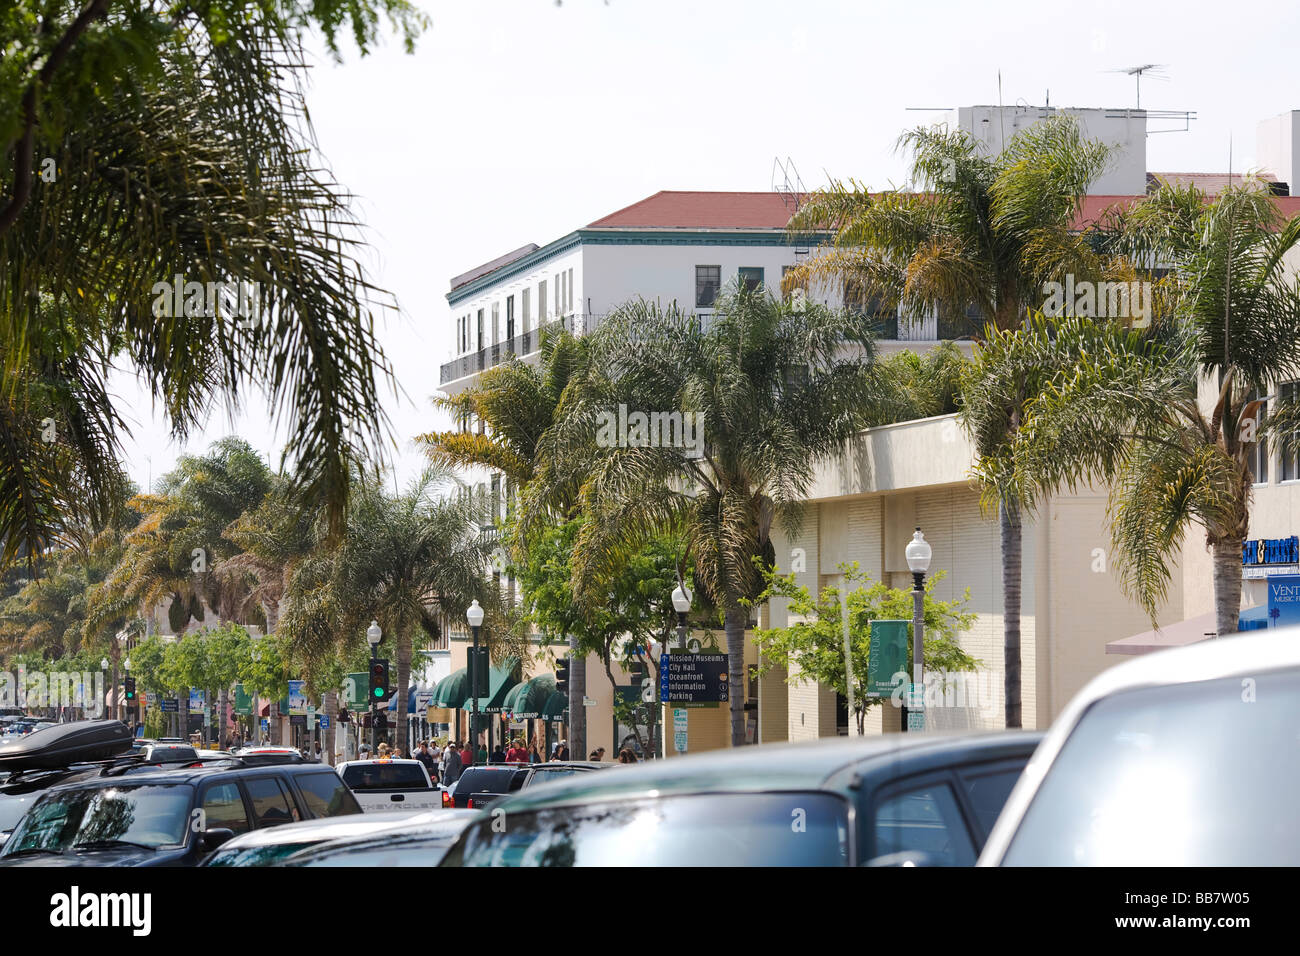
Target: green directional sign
<point>887,657</point>
<point>356,689</point>
<point>243,701</point>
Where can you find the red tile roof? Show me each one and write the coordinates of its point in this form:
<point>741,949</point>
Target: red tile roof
<point>670,209</point>
<point>1210,183</point>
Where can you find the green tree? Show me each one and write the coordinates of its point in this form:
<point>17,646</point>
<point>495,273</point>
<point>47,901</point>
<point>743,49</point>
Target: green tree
<point>1173,418</point>
<point>774,390</point>
<point>983,232</point>
<point>815,645</point>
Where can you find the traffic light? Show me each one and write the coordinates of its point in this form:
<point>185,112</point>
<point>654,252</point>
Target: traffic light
<point>381,721</point>
<point>128,688</point>
<point>562,675</point>
<point>344,716</point>
<point>378,680</point>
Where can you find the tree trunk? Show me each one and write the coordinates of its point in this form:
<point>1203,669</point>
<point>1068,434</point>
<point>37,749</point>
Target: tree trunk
<point>1009,519</point>
<point>273,723</point>
<point>223,701</point>
<point>734,624</point>
<point>1227,585</point>
<point>403,683</point>
<point>577,712</point>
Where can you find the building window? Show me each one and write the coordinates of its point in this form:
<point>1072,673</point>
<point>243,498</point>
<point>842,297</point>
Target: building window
<point>541,303</point>
<point>1291,463</point>
<point>480,328</point>
<point>524,307</point>
<point>559,284</point>
<point>708,281</point>
<point>751,277</point>
<point>510,317</point>
<point>496,322</point>
<point>1258,460</point>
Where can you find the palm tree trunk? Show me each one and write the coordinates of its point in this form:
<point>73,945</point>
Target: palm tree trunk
<point>577,692</point>
<point>223,700</point>
<point>1227,585</point>
<point>403,682</point>
<point>1009,520</point>
<point>273,723</point>
<point>734,625</point>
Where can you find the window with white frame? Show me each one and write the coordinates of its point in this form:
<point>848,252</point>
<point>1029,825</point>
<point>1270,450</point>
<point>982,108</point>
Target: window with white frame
<point>1258,459</point>
<point>708,282</point>
<point>1290,464</point>
<point>541,303</point>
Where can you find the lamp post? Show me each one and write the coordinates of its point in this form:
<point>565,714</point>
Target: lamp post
<point>374,634</point>
<point>256,654</point>
<point>475,617</point>
<point>126,672</point>
<point>103,680</point>
<point>681,604</point>
<point>918,560</point>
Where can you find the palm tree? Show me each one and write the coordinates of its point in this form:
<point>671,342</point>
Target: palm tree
<point>982,235</point>
<point>1174,418</point>
<point>182,148</point>
<point>774,392</point>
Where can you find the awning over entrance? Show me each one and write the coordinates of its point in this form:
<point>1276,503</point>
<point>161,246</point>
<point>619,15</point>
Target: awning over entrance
<point>526,701</point>
<point>1190,631</point>
<point>501,680</point>
<point>451,690</point>
<point>556,707</point>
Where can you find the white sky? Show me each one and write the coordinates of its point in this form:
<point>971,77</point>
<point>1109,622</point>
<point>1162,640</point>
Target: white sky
<point>517,121</point>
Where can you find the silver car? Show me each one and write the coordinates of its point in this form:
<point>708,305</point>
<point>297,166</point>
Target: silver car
<point>1186,757</point>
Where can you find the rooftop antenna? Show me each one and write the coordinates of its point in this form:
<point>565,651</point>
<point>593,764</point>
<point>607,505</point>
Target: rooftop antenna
<point>1157,71</point>
<point>790,185</point>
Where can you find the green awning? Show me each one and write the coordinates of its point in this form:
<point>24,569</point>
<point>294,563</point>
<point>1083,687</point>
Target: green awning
<point>556,706</point>
<point>501,679</point>
<point>451,690</point>
<point>527,700</point>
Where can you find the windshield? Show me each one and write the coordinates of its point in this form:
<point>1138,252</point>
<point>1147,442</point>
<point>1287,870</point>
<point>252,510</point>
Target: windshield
<point>13,806</point>
<point>385,776</point>
<point>1200,774</point>
<point>715,829</point>
<point>148,815</point>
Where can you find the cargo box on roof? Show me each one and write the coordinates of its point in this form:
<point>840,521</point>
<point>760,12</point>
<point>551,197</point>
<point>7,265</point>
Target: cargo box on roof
<point>63,744</point>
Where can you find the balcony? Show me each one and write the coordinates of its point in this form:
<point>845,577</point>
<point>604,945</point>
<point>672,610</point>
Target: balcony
<point>521,345</point>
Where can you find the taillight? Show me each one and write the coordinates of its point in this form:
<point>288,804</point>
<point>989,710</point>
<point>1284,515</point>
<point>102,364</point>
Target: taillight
<point>447,802</point>
<point>470,803</point>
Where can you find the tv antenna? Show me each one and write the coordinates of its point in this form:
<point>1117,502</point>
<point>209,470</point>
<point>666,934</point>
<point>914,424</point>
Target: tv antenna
<point>1157,71</point>
<point>790,185</point>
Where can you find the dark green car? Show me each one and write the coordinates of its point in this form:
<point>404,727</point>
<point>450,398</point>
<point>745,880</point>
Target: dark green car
<point>925,799</point>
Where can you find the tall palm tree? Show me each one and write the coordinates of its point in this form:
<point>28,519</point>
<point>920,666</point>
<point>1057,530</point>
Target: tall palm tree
<point>982,233</point>
<point>1174,417</point>
<point>775,391</point>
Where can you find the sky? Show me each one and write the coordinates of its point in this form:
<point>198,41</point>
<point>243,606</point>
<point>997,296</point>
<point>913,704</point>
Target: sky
<point>518,121</point>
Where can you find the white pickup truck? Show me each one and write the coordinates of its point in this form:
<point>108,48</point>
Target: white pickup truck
<point>382,785</point>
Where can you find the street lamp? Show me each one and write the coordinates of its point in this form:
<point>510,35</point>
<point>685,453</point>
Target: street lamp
<point>374,634</point>
<point>103,674</point>
<point>475,617</point>
<point>681,604</point>
<point>918,560</point>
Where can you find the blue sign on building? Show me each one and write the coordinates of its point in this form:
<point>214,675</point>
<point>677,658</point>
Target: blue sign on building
<point>1271,551</point>
<point>1283,600</point>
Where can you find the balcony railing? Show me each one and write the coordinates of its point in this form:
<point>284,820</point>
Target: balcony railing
<point>521,345</point>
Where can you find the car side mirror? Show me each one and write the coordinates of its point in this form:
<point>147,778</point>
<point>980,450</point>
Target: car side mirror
<point>903,858</point>
<point>211,839</point>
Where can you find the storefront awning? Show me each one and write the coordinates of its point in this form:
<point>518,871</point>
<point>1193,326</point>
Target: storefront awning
<point>501,680</point>
<point>1179,634</point>
<point>557,707</point>
<point>451,690</point>
<point>526,701</point>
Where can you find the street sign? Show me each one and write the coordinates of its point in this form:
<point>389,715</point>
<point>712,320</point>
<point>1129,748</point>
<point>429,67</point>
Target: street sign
<point>356,689</point>
<point>170,705</point>
<point>915,720</point>
<point>693,678</point>
<point>422,701</point>
<point>588,702</point>
<point>680,716</point>
<point>324,721</point>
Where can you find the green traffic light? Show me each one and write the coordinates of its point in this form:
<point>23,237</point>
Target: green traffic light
<point>379,692</point>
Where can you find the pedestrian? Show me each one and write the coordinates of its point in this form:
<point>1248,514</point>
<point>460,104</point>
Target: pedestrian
<point>425,758</point>
<point>534,755</point>
<point>563,752</point>
<point>454,766</point>
<point>594,755</point>
<point>517,753</point>
<point>467,756</point>
<point>626,755</point>
<point>599,754</point>
<point>384,756</point>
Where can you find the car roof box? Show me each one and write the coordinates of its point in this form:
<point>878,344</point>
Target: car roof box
<point>77,742</point>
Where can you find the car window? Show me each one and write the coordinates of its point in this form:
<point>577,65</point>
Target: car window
<point>1197,774</point>
<point>421,852</point>
<point>223,808</point>
<point>987,792</point>
<point>271,804</point>
<point>926,819</point>
<point>487,781</point>
<point>13,806</point>
<point>385,776</point>
<point>713,829</point>
<point>542,776</point>
<point>325,794</point>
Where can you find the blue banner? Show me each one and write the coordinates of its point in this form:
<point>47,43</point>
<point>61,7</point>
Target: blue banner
<point>1283,600</point>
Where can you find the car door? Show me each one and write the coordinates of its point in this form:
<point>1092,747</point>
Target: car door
<point>223,806</point>
<point>923,814</point>
<point>271,801</point>
<point>985,787</point>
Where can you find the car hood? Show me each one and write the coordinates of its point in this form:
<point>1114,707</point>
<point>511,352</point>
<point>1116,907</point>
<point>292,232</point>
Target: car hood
<point>126,856</point>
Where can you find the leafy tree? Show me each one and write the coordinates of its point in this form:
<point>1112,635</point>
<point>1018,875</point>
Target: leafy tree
<point>815,645</point>
<point>982,233</point>
<point>775,391</point>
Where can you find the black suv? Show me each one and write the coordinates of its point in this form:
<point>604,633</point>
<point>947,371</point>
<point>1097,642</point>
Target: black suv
<point>479,786</point>
<point>168,818</point>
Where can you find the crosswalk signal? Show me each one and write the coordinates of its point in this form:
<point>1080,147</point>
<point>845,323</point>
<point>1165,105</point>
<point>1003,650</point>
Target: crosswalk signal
<point>562,675</point>
<point>128,688</point>
<point>379,680</point>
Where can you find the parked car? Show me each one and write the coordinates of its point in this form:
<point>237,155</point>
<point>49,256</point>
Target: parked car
<point>269,846</point>
<point>832,803</point>
<point>421,841</point>
<point>387,785</point>
<point>1183,757</point>
<point>479,786</point>
<point>149,819</point>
